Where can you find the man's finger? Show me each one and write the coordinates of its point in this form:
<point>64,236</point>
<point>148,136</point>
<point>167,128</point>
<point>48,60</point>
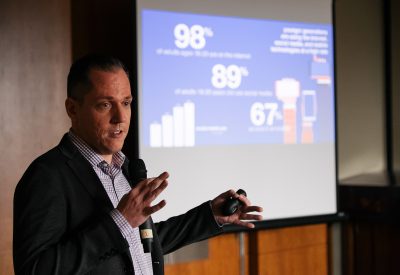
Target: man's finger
<point>151,210</point>
<point>144,184</point>
<point>244,200</point>
<point>251,217</point>
<point>161,187</point>
<point>228,194</point>
<point>163,176</point>
<point>245,224</point>
<point>252,208</point>
<point>152,183</point>
<point>155,182</point>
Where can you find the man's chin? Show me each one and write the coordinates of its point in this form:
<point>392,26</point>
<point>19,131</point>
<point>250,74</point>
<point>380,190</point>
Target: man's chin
<point>111,149</point>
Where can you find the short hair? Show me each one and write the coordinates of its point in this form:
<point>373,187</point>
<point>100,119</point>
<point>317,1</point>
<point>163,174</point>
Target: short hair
<point>80,69</point>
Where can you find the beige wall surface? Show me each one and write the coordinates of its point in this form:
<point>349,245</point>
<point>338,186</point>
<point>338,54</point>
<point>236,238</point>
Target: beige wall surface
<point>360,87</point>
<point>395,82</point>
<point>35,55</point>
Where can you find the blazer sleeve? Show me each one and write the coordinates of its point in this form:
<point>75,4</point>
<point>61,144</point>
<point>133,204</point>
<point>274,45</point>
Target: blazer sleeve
<point>42,243</point>
<point>195,225</point>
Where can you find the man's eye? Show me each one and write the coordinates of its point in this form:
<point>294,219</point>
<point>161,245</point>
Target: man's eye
<point>105,105</point>
<point>127,103</point>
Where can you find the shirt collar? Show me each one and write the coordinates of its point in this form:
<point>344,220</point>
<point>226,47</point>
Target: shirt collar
<point>91,156</point>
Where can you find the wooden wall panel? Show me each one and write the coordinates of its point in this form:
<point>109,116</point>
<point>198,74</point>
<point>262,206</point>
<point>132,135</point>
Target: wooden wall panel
<point>223,258</point>
<point>6,263</point>
<point>309,260</point>
<point>301,250</point>
<point>35,55</point>
<point>271,241</point>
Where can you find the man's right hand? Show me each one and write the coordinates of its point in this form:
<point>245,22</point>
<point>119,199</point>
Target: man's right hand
<point>136,207</point>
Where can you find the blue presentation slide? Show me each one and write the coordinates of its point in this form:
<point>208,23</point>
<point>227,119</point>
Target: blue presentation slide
<point>218,80</point>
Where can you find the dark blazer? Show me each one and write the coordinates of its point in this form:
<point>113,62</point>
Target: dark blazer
<point>62,223</point>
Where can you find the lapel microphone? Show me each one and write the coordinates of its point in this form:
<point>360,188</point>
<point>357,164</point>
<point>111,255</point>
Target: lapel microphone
<point>138,172</point>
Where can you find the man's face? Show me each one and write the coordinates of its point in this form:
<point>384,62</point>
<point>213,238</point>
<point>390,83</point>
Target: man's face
<point>102,118</point>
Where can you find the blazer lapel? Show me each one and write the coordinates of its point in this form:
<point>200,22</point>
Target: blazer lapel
<point>85,173</point>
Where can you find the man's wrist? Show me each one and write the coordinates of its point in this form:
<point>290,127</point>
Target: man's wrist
<point>122,223</point>
<point>215,216</point>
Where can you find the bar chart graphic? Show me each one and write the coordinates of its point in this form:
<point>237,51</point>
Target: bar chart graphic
<point>175,128</point>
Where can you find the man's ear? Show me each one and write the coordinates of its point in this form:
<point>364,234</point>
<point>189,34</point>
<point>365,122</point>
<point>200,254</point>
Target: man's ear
<point>71,106</point>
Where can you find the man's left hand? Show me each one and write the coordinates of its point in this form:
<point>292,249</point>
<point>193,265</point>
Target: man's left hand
<point>241,216</point>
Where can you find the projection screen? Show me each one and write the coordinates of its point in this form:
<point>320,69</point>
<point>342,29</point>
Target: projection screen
<point>239,94</point>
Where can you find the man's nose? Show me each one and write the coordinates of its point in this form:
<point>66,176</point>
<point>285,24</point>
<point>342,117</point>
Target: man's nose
<point>120,114</point>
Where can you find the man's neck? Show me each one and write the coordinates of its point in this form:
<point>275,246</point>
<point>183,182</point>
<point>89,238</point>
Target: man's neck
<point>107,158</point>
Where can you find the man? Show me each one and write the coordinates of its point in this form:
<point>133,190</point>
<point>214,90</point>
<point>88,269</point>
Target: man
<point>75,209</point>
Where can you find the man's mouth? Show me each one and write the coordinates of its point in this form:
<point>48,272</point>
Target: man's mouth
<point>116,133</point>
